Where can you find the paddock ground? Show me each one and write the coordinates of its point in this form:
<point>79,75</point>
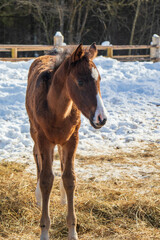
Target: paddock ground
<point>117,197</point>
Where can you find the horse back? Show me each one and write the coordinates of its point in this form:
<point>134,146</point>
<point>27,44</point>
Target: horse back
<point>40,65</point>
<point>39,80</point>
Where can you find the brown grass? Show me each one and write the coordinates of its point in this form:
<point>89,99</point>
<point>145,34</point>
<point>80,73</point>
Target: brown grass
<point>119,209</point>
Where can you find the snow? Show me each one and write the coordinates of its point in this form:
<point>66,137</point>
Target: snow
<point>131,95</point>
<point>106,43</point>
<point>110,171</point>
<point>58,34</point>
<point>156,36</point>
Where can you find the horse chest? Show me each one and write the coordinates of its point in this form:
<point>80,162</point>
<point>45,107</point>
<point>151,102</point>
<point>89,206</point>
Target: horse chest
<point>60,134</point>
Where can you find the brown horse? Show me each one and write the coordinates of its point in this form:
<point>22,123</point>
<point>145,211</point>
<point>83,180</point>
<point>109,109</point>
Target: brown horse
<point>60,88</point>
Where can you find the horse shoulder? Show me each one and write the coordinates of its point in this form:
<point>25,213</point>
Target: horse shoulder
<point>59,132</point>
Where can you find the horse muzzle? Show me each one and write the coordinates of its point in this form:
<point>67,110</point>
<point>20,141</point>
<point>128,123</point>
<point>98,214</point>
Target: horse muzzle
<point>98,124</point>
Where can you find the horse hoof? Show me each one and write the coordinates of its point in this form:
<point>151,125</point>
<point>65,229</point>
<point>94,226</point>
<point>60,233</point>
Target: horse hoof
<point>74,237</point>
<point>44,235</point>
<point>44,238</point>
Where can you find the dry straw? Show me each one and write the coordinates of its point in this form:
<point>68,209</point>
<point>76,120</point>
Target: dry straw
<point>105,210</point>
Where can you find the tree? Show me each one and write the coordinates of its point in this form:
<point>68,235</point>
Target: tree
<point>120,22</point>
<point>135,21</point>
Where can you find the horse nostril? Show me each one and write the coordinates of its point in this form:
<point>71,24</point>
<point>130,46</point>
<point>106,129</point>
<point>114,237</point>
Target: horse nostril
<point>100,118</point>
<point>104,121</point>
<point>101,121</point>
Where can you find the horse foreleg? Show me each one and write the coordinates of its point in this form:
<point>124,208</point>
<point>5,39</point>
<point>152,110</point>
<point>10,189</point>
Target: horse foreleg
<point>46,182</point>
<point>69,182</point>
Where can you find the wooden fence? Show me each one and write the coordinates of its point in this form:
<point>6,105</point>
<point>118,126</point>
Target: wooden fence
<point>152,52</point>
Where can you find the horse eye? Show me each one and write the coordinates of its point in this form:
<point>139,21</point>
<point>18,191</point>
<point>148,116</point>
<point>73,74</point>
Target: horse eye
<point>80,83</point>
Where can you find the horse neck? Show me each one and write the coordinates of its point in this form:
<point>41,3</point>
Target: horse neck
<point>58,97</point>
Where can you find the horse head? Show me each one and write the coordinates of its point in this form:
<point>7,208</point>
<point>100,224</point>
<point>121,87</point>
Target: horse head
<point>84,85</point>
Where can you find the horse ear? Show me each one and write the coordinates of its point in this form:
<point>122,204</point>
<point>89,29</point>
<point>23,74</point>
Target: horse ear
<point>93,51</point>
<point>77,54</point>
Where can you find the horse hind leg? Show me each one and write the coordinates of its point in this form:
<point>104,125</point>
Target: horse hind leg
<point>38,193</point>
<point>36,155</point>
<point>63,196</point>
<point>63,199</point>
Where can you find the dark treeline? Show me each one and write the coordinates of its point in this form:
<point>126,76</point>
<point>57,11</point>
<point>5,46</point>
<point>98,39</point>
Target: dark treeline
<point>120,22</point>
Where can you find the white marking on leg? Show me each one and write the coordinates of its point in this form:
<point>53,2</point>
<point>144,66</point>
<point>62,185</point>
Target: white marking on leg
<point>44,235</point>
<point>94,73</point>
<point>63,194</point>
<point>100,110</point>
<point>38,194</point>
<point>72,234</point>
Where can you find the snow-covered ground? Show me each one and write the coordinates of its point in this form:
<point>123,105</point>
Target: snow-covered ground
<point>131,94</point>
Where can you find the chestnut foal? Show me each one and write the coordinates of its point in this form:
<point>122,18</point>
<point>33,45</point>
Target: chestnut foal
<point>59,89</point>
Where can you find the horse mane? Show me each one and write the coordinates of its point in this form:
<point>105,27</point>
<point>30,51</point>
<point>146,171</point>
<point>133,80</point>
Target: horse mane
<point>61,54</point>
<point>45,77</point>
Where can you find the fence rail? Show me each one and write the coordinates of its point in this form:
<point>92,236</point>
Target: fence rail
<point>109,51</point>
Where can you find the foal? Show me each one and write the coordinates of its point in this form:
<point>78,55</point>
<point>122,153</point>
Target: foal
<point>58,91</point>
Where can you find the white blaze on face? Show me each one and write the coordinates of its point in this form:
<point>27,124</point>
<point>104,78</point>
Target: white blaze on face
<point>94,73</point>
<point>100,110</point>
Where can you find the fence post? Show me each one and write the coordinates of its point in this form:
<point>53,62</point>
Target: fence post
<point>58,39</point>
<point>155,49</point>
<point>14,52</point>
<point>110,52</point>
